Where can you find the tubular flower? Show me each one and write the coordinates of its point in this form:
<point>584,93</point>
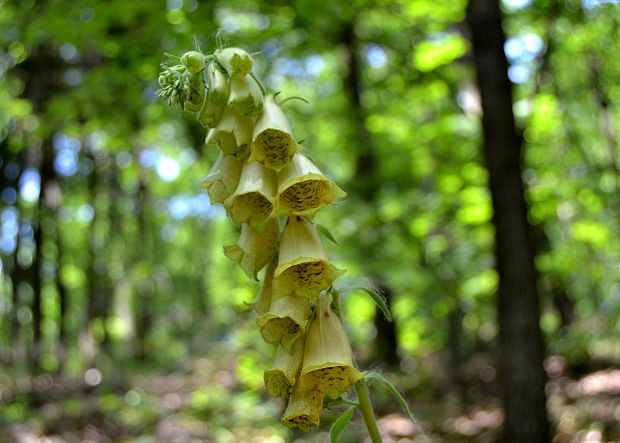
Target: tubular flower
<point>218,85</point>
<point>253,200</point>
<point>211,113</point>
<point>262,302</point>
<point>281,378</point>
<point>303,410</point>
<point>237,62</point>
<point>233,133</point>
<point>303,189</point>
<point>245,96</point>
<point>255,249</point>
<point>328,365</point>
<point>273,143</point>
<point>303,268</point>
<point>285,321</point>
<point>223,178</point>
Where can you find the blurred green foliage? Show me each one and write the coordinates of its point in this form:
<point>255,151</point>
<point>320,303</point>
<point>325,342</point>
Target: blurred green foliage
<point>157,311</point>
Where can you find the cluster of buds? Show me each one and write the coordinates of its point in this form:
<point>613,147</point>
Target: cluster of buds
<point>272,189</point>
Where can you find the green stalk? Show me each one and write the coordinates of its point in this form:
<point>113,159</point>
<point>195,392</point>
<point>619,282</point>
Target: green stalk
<point>361,388</point>
<point>365,407</point>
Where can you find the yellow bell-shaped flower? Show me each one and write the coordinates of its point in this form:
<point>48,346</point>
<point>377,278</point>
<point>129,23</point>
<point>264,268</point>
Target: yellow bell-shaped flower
<point>233,133</point>
<point>303,410</point>
<point>245,96</point>
<point>223,178</point>
<point>285,321</point>
<point>303,268</point>
<point>273,143</point>
<point>303,189</point>
<point>255,249</point>
<point>253,200</point>
<point>328,364</point>
<point>282,376</point>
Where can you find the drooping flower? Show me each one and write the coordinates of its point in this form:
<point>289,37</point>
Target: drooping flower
<point>273,143</point>
<point>303,410</point>
<point>282,376</point>
<point>303,268</point>
<point>328,364</point>
<point>285,321</point>
<point>223,178</point>
<point>303,189</point>
<point>253,200</point>
<point>211,113</point>
<point>233,133</point>
<point>237,62</point>
<point>255,249</point>
<point>218,85</point>
<point>262,302</point>
<point>245,96</point>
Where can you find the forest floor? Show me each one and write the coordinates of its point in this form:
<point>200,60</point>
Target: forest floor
<point>204,402</point>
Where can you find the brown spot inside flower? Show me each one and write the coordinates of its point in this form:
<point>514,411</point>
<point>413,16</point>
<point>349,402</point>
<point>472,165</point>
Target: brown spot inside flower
<point>303,196</point>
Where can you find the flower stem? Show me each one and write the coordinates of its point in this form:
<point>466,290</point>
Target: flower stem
<point>260,85</point>
<point>365,406</point>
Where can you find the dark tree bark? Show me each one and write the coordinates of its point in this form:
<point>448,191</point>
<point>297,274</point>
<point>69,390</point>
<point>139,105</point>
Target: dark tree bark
<point>522,375</point>
<point>386,341</point>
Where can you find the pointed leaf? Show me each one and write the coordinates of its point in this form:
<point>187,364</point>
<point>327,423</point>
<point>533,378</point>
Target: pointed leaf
<point>393,391</point>
<point>340,424</point>
<point>326,233</point>
<point>376,297</point>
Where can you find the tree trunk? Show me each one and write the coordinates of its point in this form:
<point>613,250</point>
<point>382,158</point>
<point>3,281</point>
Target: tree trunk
<point>521,343</point>
<point>386,341</point>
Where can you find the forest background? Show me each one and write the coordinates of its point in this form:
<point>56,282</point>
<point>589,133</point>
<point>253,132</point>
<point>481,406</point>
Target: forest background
<point>121,319</point>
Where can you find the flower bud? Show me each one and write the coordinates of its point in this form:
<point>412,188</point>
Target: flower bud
<point>328,364</point>
<point>253,200</point>
<point>273,143</point>
<point>303,268</point>
<point>282,376</point>
<point>236,62</point>
<point>218,85</point>
<point>255,249</point>
<point>223,178</point>
<point>196,92</point>
<point>285,321</point>
<point>194,61</point>
<point>232,133</point>
<point>262,302</point>
<point>245,96</point>
<point>303,189</point>
<point>303,410</point>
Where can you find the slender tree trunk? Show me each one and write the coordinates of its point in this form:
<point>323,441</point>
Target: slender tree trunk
<point>386,341</point>
<point>521,343</point>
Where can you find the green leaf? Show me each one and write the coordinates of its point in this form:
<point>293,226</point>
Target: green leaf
<point>377,298</point>
<point>393,391</point>
<point>340,424</point>
<point>326,233</point>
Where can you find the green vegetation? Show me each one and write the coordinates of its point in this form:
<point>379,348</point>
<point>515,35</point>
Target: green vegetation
<point>121,319</point>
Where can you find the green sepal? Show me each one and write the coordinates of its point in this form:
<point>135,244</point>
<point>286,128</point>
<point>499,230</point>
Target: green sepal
<point>340,424</point>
